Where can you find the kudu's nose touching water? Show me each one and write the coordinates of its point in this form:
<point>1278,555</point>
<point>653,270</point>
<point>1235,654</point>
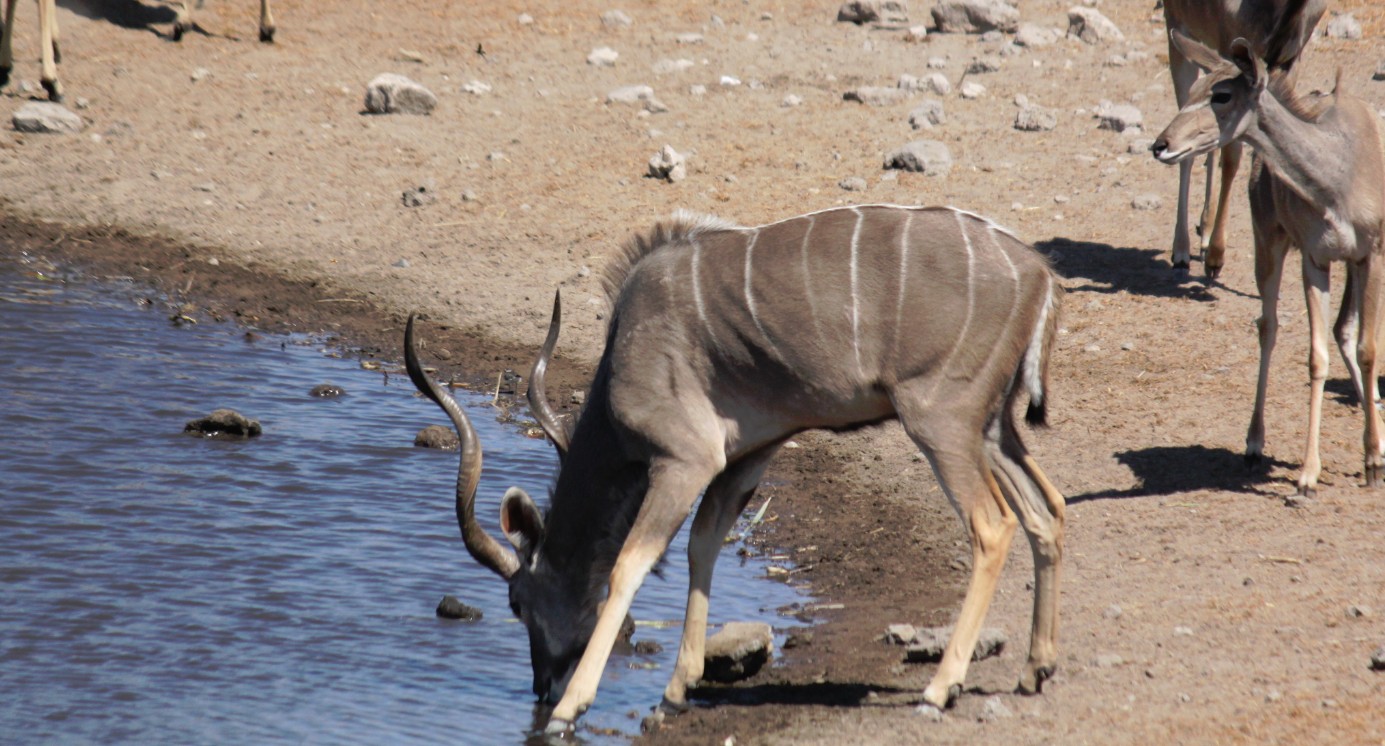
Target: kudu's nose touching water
<point>724,342</point>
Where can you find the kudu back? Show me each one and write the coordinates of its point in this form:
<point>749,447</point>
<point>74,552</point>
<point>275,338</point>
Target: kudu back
<point>724,342</point>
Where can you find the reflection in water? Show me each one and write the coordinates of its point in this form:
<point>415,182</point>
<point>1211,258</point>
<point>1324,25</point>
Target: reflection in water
<point>160,588</point>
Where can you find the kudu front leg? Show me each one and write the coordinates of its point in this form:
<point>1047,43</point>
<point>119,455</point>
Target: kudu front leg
<point>1214,240</point>
<point>1317,294</point>
<point>672,490</point>
<point>723,502</point>
<point>1368,293</point>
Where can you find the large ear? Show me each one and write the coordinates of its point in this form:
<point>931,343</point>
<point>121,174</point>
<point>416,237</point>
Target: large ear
<point>521,520</point>
<point>1292,31</point>
<point>1251,65</point>
<point>1195,51</point>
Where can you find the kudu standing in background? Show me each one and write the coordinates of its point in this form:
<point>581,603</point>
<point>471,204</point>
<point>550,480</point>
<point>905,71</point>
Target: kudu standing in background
<point>49,54</point>
<point>1216,23</point>
<point>183,23</point>
<point>1317,183</point>
<point>726,341</point>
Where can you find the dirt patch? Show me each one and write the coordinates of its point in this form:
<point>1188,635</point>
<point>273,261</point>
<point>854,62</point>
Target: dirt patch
<point>1196,608</point>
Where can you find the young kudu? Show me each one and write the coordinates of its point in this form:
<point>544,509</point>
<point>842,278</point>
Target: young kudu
<point>726,341</point>
<point>183,24</point>
<point>48,46</point>
<point>1216,23</point>
<point>1317,183</point>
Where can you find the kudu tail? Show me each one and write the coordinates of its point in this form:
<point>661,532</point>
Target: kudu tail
<point>1035,371</point>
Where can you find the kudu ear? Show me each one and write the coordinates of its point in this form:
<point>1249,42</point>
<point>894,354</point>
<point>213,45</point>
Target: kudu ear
<point>1251,65</point>
<point>521,520</point>
<point>1195,51</point>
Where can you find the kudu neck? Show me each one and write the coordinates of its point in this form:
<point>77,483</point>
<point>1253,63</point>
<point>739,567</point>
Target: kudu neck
<point>1313,155</point>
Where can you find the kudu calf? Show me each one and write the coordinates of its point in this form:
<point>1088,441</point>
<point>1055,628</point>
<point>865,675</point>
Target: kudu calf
<point>49,54</point>
<point>1317,183</point>
<point>723,343</point>
<point>1216,23</point>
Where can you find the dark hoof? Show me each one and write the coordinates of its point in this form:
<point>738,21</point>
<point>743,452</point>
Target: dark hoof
<point>953,692</point>
<point>1041,674</point>
<point>561,728</point>
<point>1213,272</point>
<point>1181,264</point>
<point>178,31</point>
<point>669,707</point>
<point>1253,459</point>
<point>54,93</point>
<point>267,35</point>
<point>5,75</point>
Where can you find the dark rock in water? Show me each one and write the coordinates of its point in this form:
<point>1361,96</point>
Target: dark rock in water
<point>327,391</point>
<point>437,436</point>
<point>451,608</point>
<point>508,382</point>
<point>648,647</point>
<point>737,652</point>
<point>627,630</point>
<point>224,423</point>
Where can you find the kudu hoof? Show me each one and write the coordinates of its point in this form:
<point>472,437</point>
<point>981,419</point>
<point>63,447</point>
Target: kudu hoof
<point>267,35</point>
<point>669,707</point>
<point>1036,685</point>
<point>558,727</point>
<point>1212,272</point>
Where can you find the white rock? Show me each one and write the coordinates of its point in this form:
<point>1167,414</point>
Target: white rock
<point>971,90</point>
<point>668,164</point>
<point>791,100</point>
<point>390,93</point>
<point>1032,35</point>
<point>664,67</point>
<point>1032,118</point>
<point>615,19</point>
<point>928,157</point>
<point>603,57</point>
<point>1089,25</point>
<point>1120,117</point>
<point>926,114</point>
<point>975,16</point>
<point>45,116</point>
<point>1343,26</point>
<point>477,88</point>
<point>636,94</point>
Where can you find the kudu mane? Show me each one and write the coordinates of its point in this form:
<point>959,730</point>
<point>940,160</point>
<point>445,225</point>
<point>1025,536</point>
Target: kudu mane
<point>682,227</point>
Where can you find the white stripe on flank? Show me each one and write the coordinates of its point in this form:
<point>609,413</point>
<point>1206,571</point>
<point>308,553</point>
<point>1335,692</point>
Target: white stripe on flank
<point>855,296</point>
<point>697,292</point>
<point>807,276</point>
<point>750,296</point>
<point>989,223</point>
<point>903,279</point>
<point>971,299</point>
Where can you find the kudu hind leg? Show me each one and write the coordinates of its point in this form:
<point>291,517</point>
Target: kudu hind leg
<point>672,489</point>
<point>1041,508</point>
<point>1367,292</point>
<point>722,503</point>
<point>1317,294</point>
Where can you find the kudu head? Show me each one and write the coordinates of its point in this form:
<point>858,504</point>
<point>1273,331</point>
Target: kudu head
<point>554,605</point>
<point>1223,104</point>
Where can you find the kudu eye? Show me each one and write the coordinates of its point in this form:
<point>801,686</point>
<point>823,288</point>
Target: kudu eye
<point>1220,98</point>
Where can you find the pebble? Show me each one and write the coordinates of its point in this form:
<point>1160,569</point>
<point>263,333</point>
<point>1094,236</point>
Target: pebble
<point>1358,611</point>
<point>1031,118</point>
<point>791,101</point>
<point>1120,117</point>
<point>929,157</point>
<point>615,19</point>
<point>603,57</point>
<point>389,93</point>
<point>1378,659</point>
<point>1343,26</point>
<point>436,436</point>
<point>668,164</point>
<point>884,12</point>
<point>1147,202</point>
<point>451,608</point>
<point>46,117</point>
<point>1089,25</point>
<point>971,90</point>
<point>853,184</point>
<point>876,95</point>
<point>664,67</point>
<point>994,709</point>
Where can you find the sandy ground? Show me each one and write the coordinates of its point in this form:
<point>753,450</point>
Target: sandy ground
<point>1197,608</point>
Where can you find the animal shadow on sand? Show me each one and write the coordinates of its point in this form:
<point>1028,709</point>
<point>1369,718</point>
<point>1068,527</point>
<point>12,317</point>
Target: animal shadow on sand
<point>131,14</point>
<point>829,694</point>
<point>1108,269</point>
<point>1162,471</point>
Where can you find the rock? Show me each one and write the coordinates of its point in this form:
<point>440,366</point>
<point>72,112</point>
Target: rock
<point>1108,660</point>
<point>975,16</point>
<point>983,65</point>
<point>927,114</point>
<point>224,423</point>
<point>1358,611</point>
<point>636,94</point>
<point>1089,25</point>
<point>930,643</point>
<point>1379,75</point>
<point>1120,117</point>
<point>664,67</point>
<point>615,19</point>
<point>1032,118</point>
<point>738,651</point>
<point>436,436</point>
<point>389,93</point>
<point>929,713</point>
<point>450,608</point>
<point>1343,26</point>
<point>1147,202</point>
<point>883,12</point>
<point>200,74</point>
<point>602,57</point>
<point>901,634</point>
<point>648,647</point>
<point>690,37</point>
<point>876,95</point>
<point>668,164</point>
<point>971,90</point>
<point>1378,659</point>
<point>46,117</point>
<point>929,157</point>
<point>327,391</point>
<point>419,196</point>
<point>1031,35</point>
<point>916,34</point>
<point>791,100</point>
<point>853,184</point>
<point>477,88</point>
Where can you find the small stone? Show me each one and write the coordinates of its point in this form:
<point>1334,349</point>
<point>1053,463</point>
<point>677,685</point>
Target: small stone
<point>1127,346</point>
<point>975,16</point>
<point>615,19</point>
<point>1182,631</point>
<point>477,88</point>
<point>224,422</point>
<point>1147,202</point>
<point>798,640</point>
<point>200,74</point>
<point>1089,25</point>
<point>939,84</point>
<point>876,95</point>
<point>437,436</point>
<point>46,117</point>
<point>525,19</point>
<point>853,184</point>
<point>1033,118</point>
<point>1108,660</point>
<point>737,651</point>
<point>1378,659</point>
<point>929,713</point>
<point>937,63</point>
<point>1379,75</point>
<point>930,643</point>
<point>971,90</point>
<point>885,12</point>
<point>994,709</point>
<point>1358,612</point>
<point>1139,146</point>
<point>401,264</point>
<point>690,37</point>
<point>1031,35</point>
<point>1120,117</point>
<point>982,65</point>
<point>636,94</point>
<point>929,157</point>
<point>602,57</point>
<point>665,67</point>
<point>1112,612</point>
<point>648,647</point>
<point>327,391</point>
<point>901,634</point>
<point>916,34</point>
<point>927,114</point>
<point>450,608</point>
<point>419,196</point>
<point>1343,26</point>
<point>1273,695</point>
<point>791,101</point>
<point>652,722</point>
<point>668,164</point>
<point>389,93</point>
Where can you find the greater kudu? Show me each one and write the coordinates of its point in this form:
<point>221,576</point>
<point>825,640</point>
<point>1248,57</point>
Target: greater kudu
<point>49,54</point>
<point>183,23</point>
<point>1317,183</point>
<point>724,342</point>
<point>1216,23</point>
